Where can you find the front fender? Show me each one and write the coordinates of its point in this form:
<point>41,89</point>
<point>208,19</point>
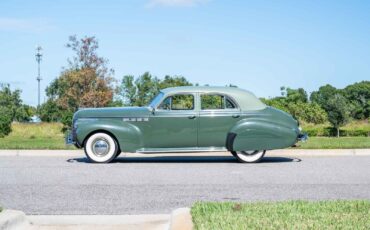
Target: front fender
<point>129,137</point>
<point>261,134</point>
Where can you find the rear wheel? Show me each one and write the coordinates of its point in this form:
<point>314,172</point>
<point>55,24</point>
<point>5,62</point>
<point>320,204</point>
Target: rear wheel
<point>101,148</point>
<point>252,156</point>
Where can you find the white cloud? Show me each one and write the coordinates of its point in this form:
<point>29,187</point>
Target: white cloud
<point>175,3</point>
<point>24,25</point>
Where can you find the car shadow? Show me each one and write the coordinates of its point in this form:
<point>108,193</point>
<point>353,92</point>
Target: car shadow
<point>188,159</point>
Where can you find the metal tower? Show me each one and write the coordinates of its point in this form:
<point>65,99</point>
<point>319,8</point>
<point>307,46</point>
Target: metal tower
<point>38,59</point>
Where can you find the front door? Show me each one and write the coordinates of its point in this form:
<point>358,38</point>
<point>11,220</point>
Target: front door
<point>218,114</point>
<point>174,123</point>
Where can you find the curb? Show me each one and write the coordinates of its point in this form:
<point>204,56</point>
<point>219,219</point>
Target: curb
<point>181,219</point>
<point>12,219</point>
<point>274,153</point>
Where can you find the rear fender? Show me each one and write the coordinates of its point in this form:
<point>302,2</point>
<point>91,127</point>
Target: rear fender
<point>260,134</point>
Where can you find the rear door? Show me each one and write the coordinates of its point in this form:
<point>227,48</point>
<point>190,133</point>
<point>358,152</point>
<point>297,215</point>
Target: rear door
<point>218,114</point>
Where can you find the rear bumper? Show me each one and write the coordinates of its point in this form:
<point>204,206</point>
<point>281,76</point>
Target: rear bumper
<point>302,137</point>
<point>69,140</point>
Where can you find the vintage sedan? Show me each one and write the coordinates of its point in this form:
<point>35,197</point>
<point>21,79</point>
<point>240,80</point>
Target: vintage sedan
<point>186,119</point>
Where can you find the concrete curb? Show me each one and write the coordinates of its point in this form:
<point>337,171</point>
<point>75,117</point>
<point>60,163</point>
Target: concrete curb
<point>13,220</point>
<point>181,219</point>
<point>274,153</point>
<point>98,220</point>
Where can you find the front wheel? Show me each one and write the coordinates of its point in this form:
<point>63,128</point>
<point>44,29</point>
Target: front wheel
<point>253,156</point>
<point>101,148</point>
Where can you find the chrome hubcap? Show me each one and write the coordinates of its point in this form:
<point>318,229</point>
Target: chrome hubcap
<point>100,147</point>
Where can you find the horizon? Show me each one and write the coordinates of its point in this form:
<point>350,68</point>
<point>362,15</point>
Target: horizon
<point>253,45</point>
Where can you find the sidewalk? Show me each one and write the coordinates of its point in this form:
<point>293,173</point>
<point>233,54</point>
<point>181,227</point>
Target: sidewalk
<point>105,222</point>
<point>179,219</point>
<point>280,152</point>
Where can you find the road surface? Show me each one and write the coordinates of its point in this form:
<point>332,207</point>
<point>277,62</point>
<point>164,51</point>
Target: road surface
<point>159,184</point>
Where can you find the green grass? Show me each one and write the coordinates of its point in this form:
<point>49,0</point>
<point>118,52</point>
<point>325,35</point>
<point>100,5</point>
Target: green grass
<point>34,136</point>
<point>336,143</point>
<point>282,215</point>
<point>49,136</point>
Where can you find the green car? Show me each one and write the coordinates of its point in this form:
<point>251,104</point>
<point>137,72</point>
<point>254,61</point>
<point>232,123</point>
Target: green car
<point>186,119</point>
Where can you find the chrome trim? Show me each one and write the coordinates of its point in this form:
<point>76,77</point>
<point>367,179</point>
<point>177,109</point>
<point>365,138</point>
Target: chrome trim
<point>181,150</point>
<point>100,147</point>
<point>302,137</point>
<point>165,96</point>
<point>69,139</point>
<point>221,94</point>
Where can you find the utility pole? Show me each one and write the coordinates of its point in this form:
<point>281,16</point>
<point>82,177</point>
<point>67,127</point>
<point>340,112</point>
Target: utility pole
<point>38,59</point>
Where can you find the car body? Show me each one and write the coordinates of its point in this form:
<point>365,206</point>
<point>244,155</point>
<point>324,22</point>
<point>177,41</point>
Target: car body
<point>187,119</point>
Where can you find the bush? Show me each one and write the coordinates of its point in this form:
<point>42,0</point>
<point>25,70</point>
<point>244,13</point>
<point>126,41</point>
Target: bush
<point>5,121</point>
<point>354,129</point>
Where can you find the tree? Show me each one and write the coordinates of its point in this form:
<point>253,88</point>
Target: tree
<point>5,121</point>
<point>323,95</point>
<point>139,91</point>
<point>10,99</point>
<point>87,82</point>
<point>50,111</point>
<point>12,109</point>
<point>173,81</point>
<point>358,95</point>
<point>338,111</point>
<point>82,88</point>
<point>296,95</point>
<point>86,56</point>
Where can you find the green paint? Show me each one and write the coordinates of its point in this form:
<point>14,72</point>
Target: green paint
<point>183,124</point>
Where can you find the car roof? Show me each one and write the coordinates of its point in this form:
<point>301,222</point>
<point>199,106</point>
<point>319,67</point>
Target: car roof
<point>245,99</point>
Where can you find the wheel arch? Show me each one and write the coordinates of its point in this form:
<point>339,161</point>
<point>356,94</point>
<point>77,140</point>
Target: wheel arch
<point>101,131</point>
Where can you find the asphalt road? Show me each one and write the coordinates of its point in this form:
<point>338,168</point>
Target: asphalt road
<point>154,185</point>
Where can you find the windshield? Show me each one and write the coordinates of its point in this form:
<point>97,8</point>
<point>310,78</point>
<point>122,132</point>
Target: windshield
<point>156,100</point>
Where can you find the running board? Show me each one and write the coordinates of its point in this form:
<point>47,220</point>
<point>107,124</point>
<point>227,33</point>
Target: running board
<point>180,150</point>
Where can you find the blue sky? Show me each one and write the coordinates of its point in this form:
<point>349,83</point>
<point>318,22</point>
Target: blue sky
<point>257,45</point>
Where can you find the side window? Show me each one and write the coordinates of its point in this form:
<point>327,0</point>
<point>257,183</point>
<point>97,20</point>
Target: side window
<point>215,102</point>
<point>178,102</point>
<point>230,104</point>
<point>209,101</point>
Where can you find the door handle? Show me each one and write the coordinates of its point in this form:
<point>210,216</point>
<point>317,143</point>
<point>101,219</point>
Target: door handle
<point>191,116</point>
<point>235,115</point>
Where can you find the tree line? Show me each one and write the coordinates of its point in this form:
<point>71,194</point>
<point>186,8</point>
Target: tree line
<point>87,81</point>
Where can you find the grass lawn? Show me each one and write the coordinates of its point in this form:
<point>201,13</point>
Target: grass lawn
<point>34,136</point>
<point>49,136</point>
<point>282,215</point>
<point>336,143</point>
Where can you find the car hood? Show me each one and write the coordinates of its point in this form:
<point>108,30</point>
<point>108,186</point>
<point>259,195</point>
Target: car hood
<point>112,112</point>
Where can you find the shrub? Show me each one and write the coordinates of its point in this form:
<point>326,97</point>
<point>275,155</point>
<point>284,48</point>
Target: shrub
<point>5,121</point>
<point>355,129</point>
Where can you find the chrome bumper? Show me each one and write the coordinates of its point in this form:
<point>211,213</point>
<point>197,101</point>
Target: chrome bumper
<point>302,137</point>
<point>69,139</point>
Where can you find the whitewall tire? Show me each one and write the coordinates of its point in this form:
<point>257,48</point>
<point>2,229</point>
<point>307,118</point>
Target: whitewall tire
<point>101,148</point>
<point>253,156</point>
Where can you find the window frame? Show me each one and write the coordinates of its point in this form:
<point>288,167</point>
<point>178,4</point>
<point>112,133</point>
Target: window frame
<point>176,94</point>
<point>225,96</point>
